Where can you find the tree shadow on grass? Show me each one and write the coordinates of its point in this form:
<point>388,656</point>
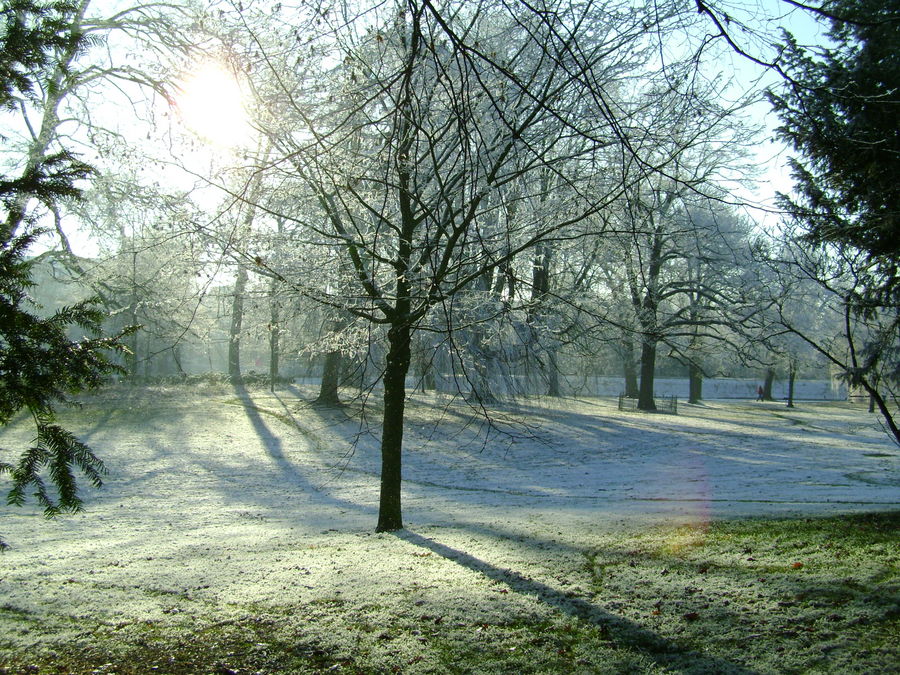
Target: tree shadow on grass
<point>626,633</point>
<point>819,613</point>
<point>274,448</point>
<point>270,440</point>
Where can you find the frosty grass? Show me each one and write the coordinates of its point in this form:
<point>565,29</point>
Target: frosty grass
<point>234,535</point>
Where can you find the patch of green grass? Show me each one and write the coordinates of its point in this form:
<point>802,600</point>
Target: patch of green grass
<point>250,645</point>
<point>11,612</point>
<point>744,596</point>
<point>771,595</point>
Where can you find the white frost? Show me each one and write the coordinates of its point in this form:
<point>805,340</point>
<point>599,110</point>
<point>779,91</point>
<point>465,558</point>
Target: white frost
<point>216,504</point>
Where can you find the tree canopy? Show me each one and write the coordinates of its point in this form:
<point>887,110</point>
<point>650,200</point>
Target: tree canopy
<point>839,109</point>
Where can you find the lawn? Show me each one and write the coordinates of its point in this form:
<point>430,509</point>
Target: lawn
<point>234,535</point>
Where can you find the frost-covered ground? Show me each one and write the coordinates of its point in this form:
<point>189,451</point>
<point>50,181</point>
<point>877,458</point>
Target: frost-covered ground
<point>223,504</point>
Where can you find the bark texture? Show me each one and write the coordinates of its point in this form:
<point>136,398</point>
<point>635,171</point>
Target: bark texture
<point>237,320</point>
<point>390,516</point>
<point>648,370</point>
<point>695,384</point>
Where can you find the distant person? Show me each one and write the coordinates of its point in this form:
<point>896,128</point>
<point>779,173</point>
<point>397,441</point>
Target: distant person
<point>760,393</point>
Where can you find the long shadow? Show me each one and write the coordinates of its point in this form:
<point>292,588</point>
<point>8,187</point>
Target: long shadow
<point>271,442</point>
<point>823,587</point>
<point>350,425</point>
<point>275,449</point>
<point>96,427</point>
<point>158,421</point>
<point>136,416</point>
<point>584,424</point>
<point>770,420</point>
<point>661,650</point>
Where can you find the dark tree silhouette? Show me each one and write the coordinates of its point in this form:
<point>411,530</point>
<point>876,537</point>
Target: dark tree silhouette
<point>839,108</point>
<point>40,366</point>
<point>839,111</point>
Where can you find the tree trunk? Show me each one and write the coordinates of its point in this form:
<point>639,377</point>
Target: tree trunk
<point>275,321</point>
<point>629,368</point>
<point>648,368</point>
<point>274,345</point>
<point>540,292</point>
<point>428,381</point>
<point>240,282</point>
<point>56,90</point>
<point>131,356</point>
<point>237,319</point>
<point>792,374</point>
<point>482,354</point>
<point>425,358</point>
<point>176,357</point>
<point>390,516</point>
<point>886,413</point>
<point>695,384</point>
<point>552,373</point>
<point>483,364</point>
<point>331,374</point>
<point>397,359</point>
<point>767,385</point>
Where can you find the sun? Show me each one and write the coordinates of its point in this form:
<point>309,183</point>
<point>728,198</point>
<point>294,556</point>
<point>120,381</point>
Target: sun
<point>212,105</point>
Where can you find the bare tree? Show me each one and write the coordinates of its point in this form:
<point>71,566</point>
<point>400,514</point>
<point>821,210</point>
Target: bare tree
<point>863,347</point>
<point>444,151</point>
<point>62,114</point>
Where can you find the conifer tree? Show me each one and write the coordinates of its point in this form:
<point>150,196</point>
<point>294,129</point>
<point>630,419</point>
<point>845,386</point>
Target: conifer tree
<point>839,108</point>
<point>40,366</point>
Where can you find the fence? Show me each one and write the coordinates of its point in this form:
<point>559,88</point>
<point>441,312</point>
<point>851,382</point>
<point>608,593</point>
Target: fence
<point>664,404</point>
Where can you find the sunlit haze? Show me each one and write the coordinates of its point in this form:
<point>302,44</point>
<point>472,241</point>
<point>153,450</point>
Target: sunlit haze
<point>212,105</point>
